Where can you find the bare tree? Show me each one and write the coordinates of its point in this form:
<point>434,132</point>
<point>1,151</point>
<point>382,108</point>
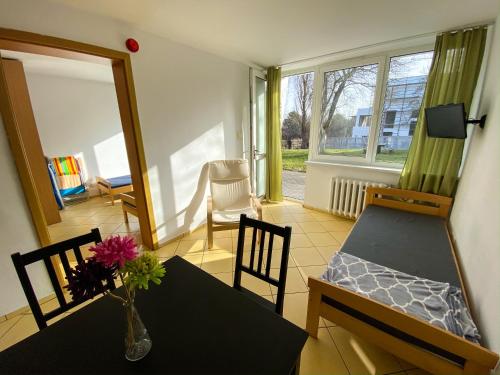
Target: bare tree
<point>303,103</point>
<point>336,83</point>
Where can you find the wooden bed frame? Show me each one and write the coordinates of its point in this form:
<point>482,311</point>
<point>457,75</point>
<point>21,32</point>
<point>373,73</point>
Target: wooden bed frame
<point>403,335</point>
<point>105,187</point>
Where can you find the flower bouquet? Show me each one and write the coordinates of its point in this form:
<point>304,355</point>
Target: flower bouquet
<point>118,257</point>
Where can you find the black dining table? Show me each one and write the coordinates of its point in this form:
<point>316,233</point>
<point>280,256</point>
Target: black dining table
<point>197,324</point>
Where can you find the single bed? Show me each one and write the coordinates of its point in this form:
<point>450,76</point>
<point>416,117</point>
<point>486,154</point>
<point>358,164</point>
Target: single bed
<point>114,186</point>
<point>405,231</point>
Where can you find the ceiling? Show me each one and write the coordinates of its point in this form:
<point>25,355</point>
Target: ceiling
<point>272,32</point>
<point>57,66</point>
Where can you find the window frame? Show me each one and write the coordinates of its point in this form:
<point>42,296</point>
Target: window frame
<point>383,60</point>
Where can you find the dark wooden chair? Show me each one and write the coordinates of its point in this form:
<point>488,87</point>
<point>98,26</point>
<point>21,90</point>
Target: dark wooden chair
<point>44,254</point>
<point>256,265</point>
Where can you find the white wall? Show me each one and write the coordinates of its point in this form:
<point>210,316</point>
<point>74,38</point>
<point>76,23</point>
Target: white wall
<point>76,116</point>
<point>318,187</point>
<point>192,107</point>
<point>475,219</point>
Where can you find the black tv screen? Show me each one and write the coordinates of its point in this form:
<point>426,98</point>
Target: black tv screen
<point>446,121</point>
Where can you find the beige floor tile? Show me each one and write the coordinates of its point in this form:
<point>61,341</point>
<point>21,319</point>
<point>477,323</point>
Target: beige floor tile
<point>295,308</point>
<point>6,325</point>
<point>323,216</point>
<point>312,227</point>
<point>294,281</point>
<point>312,271</point>
<point>51,305</point>
<point>223,234</point>
<point>114,219</point>
<point>337,226</point>
<point>218,262</point>
<point>190,247</point>
<point>167,251</point>
<point>113,227</point>
<point>225,277</point>
<point>225,244</point>
<point>300,240</point>
<point>320,356</point>
<point>307,256</point>
<point>296,227</point>
<point>302,218</point>
<point>362,357</point>
<point>255,285</point>
<point>24,327</point>
<point>195,259</point>
<point>328,251</point>
<point>128,227</point>
<point>322,239</point>
<point>340,236</point>
<point>198,234</point>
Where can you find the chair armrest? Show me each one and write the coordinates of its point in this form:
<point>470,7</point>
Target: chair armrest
<point>256,203</point>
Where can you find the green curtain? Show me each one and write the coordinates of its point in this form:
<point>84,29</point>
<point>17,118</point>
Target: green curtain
<point>433,163</point>
<point>273,151</point>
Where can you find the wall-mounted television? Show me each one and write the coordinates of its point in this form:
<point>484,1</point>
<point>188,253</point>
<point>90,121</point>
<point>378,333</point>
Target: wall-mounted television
<point>446,121</point>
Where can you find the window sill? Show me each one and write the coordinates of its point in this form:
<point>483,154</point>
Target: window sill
<point>396,170</point>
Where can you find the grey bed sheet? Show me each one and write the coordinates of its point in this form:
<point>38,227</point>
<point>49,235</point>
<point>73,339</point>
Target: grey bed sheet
<point>412,243</point>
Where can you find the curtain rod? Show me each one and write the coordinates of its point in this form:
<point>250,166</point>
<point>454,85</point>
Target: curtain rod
<point>466,27</point>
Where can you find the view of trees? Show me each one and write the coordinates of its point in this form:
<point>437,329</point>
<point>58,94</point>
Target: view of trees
<point>297,124</point>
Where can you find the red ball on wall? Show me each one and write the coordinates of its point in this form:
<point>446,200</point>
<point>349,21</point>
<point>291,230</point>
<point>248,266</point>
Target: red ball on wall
<point>132,45</point>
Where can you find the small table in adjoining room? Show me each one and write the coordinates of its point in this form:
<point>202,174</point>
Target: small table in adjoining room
<point>128,204</point>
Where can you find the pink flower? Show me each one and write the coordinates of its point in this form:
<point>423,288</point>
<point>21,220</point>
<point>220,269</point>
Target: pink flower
<point>115,250</point>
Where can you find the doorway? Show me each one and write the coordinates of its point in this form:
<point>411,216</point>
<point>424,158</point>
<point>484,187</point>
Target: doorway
<point>120,64</point>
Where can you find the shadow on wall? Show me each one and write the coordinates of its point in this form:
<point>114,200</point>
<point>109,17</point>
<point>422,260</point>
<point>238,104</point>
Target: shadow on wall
<point>189,169</point>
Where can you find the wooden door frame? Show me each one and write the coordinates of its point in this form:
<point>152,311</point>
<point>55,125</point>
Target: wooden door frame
<point>23,41</point>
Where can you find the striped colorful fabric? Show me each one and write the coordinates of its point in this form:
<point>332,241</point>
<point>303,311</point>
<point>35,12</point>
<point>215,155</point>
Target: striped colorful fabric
<point>66,165</point>
<point>67,172</point>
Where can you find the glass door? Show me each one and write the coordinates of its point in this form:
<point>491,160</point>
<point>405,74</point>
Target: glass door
<point>258,90</point>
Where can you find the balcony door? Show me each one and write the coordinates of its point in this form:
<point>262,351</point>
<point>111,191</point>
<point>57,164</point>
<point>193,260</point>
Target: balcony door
<point>257,155</point>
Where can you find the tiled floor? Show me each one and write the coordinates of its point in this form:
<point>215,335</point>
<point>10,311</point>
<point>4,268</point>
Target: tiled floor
<point>316,236</point>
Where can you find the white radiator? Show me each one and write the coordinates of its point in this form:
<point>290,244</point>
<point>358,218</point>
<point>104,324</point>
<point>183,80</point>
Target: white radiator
<point>348,196</point>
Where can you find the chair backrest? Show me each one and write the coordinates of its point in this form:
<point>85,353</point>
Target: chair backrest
<point>229,184</point>
<point>44,254</point>
<point>256,266</point>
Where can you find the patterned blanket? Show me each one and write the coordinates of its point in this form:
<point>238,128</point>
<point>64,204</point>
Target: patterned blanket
<point>441,304</point>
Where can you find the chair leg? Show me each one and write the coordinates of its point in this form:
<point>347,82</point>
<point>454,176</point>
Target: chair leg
<point>210,235</point>
<point>125,216</point>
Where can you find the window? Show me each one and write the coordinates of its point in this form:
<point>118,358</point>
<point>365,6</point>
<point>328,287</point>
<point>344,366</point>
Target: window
<point>405,90</point>
<point>296,104</point>
<point>390,117</point>
<point>367,109</point>
<point>346,110</point>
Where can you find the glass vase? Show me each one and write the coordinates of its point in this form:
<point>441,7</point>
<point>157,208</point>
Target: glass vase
<point>137,340</point>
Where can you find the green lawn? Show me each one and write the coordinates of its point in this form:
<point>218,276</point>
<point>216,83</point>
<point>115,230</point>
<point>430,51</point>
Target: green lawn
<point>294,160</point>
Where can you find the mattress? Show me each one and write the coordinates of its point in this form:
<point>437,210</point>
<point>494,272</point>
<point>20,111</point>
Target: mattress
<point>412,243</point>
<point>120,181</point>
